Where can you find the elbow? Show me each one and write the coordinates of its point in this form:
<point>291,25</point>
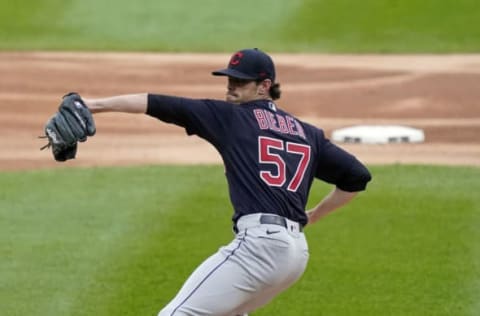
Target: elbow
<point>366,176</point>
<point>363,178</point>
<point>356,181</point>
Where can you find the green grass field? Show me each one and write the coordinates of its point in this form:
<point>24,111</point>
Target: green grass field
<point>392,26</point>
<point>120,241</point>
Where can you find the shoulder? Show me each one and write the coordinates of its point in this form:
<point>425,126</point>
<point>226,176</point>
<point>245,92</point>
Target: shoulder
<point>219,104</point>
<point>311,131</point>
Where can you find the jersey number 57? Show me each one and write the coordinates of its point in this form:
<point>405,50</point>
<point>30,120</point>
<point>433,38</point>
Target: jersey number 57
<point>271,150</point>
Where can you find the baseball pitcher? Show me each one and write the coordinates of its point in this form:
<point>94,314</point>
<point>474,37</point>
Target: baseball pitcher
<point>271,159</point>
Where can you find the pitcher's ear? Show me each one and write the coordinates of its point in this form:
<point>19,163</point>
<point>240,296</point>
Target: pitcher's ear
<point>264,86</point>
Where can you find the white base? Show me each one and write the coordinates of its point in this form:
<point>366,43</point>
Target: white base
<point>378,134</point>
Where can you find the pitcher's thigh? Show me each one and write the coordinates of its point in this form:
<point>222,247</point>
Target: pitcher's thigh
<point>217,287</point>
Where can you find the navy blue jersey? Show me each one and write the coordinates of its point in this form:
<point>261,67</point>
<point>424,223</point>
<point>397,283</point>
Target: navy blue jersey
<point>270,157</point>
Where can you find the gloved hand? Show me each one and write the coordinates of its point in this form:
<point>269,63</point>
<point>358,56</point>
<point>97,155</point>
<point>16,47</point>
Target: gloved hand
<point>71,124</point>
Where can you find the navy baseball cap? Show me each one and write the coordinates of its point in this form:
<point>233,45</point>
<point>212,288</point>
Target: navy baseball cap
<point>249,64</point>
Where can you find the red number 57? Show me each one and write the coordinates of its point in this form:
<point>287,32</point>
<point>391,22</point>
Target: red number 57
<point>266,156</point>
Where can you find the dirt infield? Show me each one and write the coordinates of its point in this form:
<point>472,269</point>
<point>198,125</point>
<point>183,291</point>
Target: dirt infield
<point>439,94</point>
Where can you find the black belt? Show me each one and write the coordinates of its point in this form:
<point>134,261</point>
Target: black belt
<point>273,220</point>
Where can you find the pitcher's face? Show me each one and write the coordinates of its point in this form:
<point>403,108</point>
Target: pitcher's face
<point>241,90</point>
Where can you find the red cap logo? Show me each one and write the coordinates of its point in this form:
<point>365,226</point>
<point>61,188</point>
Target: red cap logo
<point>235,60</point>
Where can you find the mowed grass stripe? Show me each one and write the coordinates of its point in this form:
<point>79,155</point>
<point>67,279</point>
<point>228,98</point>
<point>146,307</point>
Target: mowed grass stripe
<point>209,25</point>
<point>407,26</point>
<point>162,249</point>
<point>343,26</point>
<point>122,241</point>
<point>69,235</point>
